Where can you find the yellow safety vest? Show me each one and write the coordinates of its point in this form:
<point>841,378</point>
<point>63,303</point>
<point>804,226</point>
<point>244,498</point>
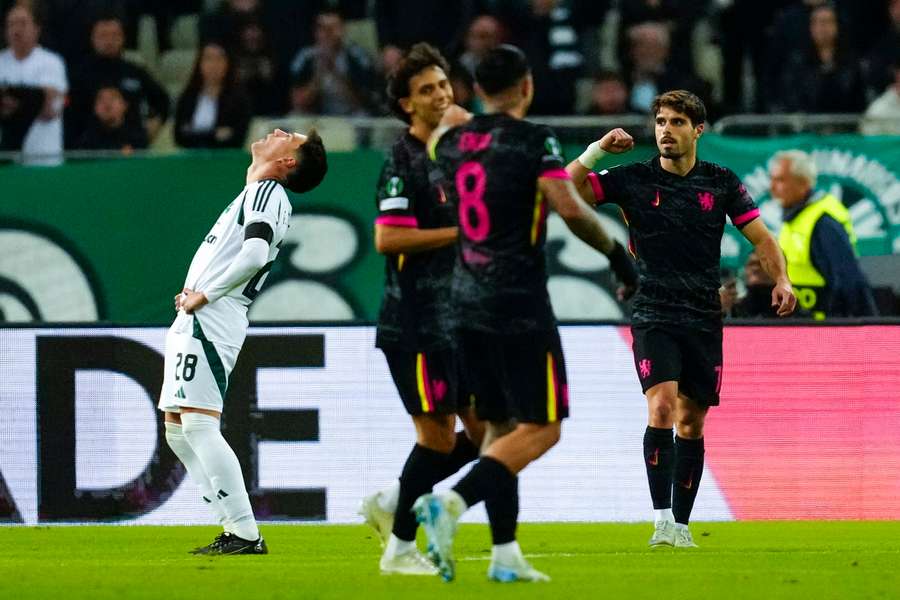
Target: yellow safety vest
<point>795,240</point>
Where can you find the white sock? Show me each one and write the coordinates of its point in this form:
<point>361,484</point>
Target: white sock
<point>224,471</point>
<point>507,554</point>
<point>454,502</point>
<point>389,496</point>
<point>181,448</point>
<point>395,547</point>
<point>663,514</point>
<point>681,526</point>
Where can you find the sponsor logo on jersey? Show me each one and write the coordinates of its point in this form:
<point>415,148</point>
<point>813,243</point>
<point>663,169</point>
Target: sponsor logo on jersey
<point>400,203</point>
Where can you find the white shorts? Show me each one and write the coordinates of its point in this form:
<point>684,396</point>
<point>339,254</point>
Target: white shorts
<point>197,370</point>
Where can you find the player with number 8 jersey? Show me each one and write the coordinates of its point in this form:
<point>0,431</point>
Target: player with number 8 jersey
<point>203,343</point>
<point>504,175</point>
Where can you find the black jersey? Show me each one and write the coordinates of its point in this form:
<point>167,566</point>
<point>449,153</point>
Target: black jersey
<point>492,165</point>
<point>417,286</point>
<point>675,225</point>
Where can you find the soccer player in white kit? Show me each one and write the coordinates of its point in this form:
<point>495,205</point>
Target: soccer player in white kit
<point>203,343</point>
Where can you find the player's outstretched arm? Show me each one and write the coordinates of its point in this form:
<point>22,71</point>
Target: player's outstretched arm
<point>616,141</point>
<point>772,261</point>
<point>408,240</point>
<point>584,223</point>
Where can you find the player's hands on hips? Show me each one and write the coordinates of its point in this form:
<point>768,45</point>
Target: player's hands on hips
<point>617,141</point>
<point>193,301</point>
<point>783,298</point>
<point>180,296</point>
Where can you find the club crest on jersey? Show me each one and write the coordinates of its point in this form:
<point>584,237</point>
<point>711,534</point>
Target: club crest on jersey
<point>551,144</point>
<point>707,201</point>
<point>646,367</point>
<point>394,186</point>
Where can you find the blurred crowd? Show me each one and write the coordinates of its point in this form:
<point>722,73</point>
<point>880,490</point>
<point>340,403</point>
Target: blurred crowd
<point>73,72</point>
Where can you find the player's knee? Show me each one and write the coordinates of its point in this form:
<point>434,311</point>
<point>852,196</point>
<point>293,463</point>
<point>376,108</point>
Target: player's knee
<point>661,414</point>
<point>195,425</point>
<point>437,436</point>
<point>689,426</point>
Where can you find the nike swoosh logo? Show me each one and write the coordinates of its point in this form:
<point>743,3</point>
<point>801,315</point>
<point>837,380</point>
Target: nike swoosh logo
<point>655,200</point>
<point>654,459</point>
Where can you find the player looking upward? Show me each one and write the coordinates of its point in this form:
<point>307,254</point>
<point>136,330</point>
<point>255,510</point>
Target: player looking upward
<point>203,343</point>
<point>506,173</point>
<point>675,206</point>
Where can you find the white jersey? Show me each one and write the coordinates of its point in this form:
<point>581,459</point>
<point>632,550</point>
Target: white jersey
<point>225,321</point>
<point>43,143</point>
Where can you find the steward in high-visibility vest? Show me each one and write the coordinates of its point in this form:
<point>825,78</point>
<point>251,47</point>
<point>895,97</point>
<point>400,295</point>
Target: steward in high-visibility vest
<point>796,240</point>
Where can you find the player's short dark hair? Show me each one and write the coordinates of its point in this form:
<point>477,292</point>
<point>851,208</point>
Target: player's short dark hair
<point>312,164</point>
<point>682,101</point>
<point>501,68</point>
<point>420,57</point>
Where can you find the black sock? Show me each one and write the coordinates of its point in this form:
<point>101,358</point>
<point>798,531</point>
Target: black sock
<point>486,480</point>
<point>688,471</point>
<point>659,451</point>
<point>462,454</point>
<point>503,513</point>
<point>422,470</point>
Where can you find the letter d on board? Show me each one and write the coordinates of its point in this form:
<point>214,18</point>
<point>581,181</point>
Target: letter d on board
<point>58,359</point>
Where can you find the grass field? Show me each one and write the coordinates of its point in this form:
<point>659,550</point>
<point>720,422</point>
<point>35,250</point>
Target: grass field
<point>736,560</point>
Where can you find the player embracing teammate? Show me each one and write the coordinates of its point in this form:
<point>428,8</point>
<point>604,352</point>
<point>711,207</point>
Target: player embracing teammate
<point>504,174</point>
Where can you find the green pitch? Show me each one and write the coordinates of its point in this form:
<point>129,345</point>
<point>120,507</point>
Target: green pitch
<point>736,560</point>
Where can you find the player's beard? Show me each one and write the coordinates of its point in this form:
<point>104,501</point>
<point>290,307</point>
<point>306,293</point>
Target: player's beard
<point>671,153</point>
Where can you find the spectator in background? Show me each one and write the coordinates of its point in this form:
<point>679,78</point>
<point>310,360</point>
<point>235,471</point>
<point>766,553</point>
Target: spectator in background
<point>609,94</point>
<point>463,84</point>
<point>28,67</point>
<point>333,76</point>
<point>757,299</point>
<point>402,23</point>
<point>825,78</point>
<point>545,31</point>
<point>257,69</point>
<point>213,111</point>
<point>147,101</point>
<point>679,18</point>
<point>163,13</point>
<point>744,30</point>
<point>109,128</point>
<point>224,25</point>
<point>884,52</point>
<point>652,73</point>
<point>818,242</point>
<point>484,33</point>
<point>883,115</point>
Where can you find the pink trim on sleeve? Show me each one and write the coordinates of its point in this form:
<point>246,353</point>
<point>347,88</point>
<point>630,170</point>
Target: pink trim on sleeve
<point>558,173</point>
<point>745,218</point>
<point>598,189</point>
<point>397,221</point>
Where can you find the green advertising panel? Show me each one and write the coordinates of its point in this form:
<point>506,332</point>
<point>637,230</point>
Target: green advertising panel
<point>863,172</point>
<point>112,240</point>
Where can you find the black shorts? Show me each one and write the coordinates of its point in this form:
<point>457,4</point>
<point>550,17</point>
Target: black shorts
<point>691,357</point>
<point>521,376</point>
<point>427,381</point>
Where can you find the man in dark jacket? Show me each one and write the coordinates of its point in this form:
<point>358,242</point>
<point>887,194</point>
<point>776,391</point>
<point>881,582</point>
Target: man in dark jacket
<point>148,102</point>
<point>818,242</point>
